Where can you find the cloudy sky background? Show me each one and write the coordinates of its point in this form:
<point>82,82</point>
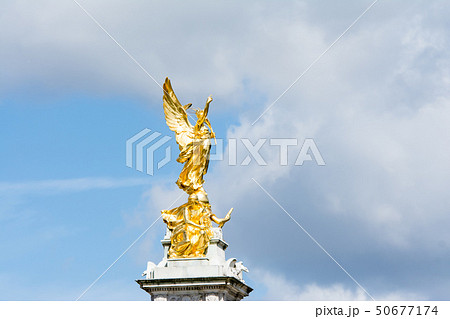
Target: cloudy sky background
<point>377,105</point>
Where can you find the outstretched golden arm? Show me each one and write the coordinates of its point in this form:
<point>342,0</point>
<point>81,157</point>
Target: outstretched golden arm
<point>202,115</point>
<point>222,221</point>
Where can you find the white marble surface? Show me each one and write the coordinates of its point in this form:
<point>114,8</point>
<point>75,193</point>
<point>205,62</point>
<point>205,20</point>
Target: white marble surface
<point>207,278</point>
<point>214,264</point>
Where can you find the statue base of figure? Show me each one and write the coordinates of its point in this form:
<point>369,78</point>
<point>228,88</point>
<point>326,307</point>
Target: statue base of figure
<point>208,278</point>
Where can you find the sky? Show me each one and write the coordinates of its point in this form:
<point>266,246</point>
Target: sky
<point>370,223</point>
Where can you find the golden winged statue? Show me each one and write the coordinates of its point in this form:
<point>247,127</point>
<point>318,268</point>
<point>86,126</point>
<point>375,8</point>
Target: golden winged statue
<point>190,223</point>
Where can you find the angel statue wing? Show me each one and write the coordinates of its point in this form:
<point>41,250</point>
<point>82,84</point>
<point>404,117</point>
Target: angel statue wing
<point>176,116</point>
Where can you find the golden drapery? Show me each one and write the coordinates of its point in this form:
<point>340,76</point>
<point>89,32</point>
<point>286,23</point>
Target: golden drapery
<point>191,229</point>
<point>195,157</point>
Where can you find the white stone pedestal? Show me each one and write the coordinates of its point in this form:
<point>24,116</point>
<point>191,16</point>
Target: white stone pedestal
<point>210,278</point>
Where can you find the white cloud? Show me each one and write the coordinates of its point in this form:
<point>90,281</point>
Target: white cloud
<point>382,131</point>
<point>280,287</point>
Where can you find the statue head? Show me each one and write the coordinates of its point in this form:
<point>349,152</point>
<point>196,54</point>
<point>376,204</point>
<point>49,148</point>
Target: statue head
<point>199,113</point>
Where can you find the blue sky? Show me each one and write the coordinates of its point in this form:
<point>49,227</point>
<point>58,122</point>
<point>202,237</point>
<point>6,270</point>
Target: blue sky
<point>376,104</point>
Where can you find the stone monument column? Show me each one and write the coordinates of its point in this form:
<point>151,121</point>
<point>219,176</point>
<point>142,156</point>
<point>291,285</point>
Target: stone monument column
<point>194,265</point>
<point>209,278</point>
